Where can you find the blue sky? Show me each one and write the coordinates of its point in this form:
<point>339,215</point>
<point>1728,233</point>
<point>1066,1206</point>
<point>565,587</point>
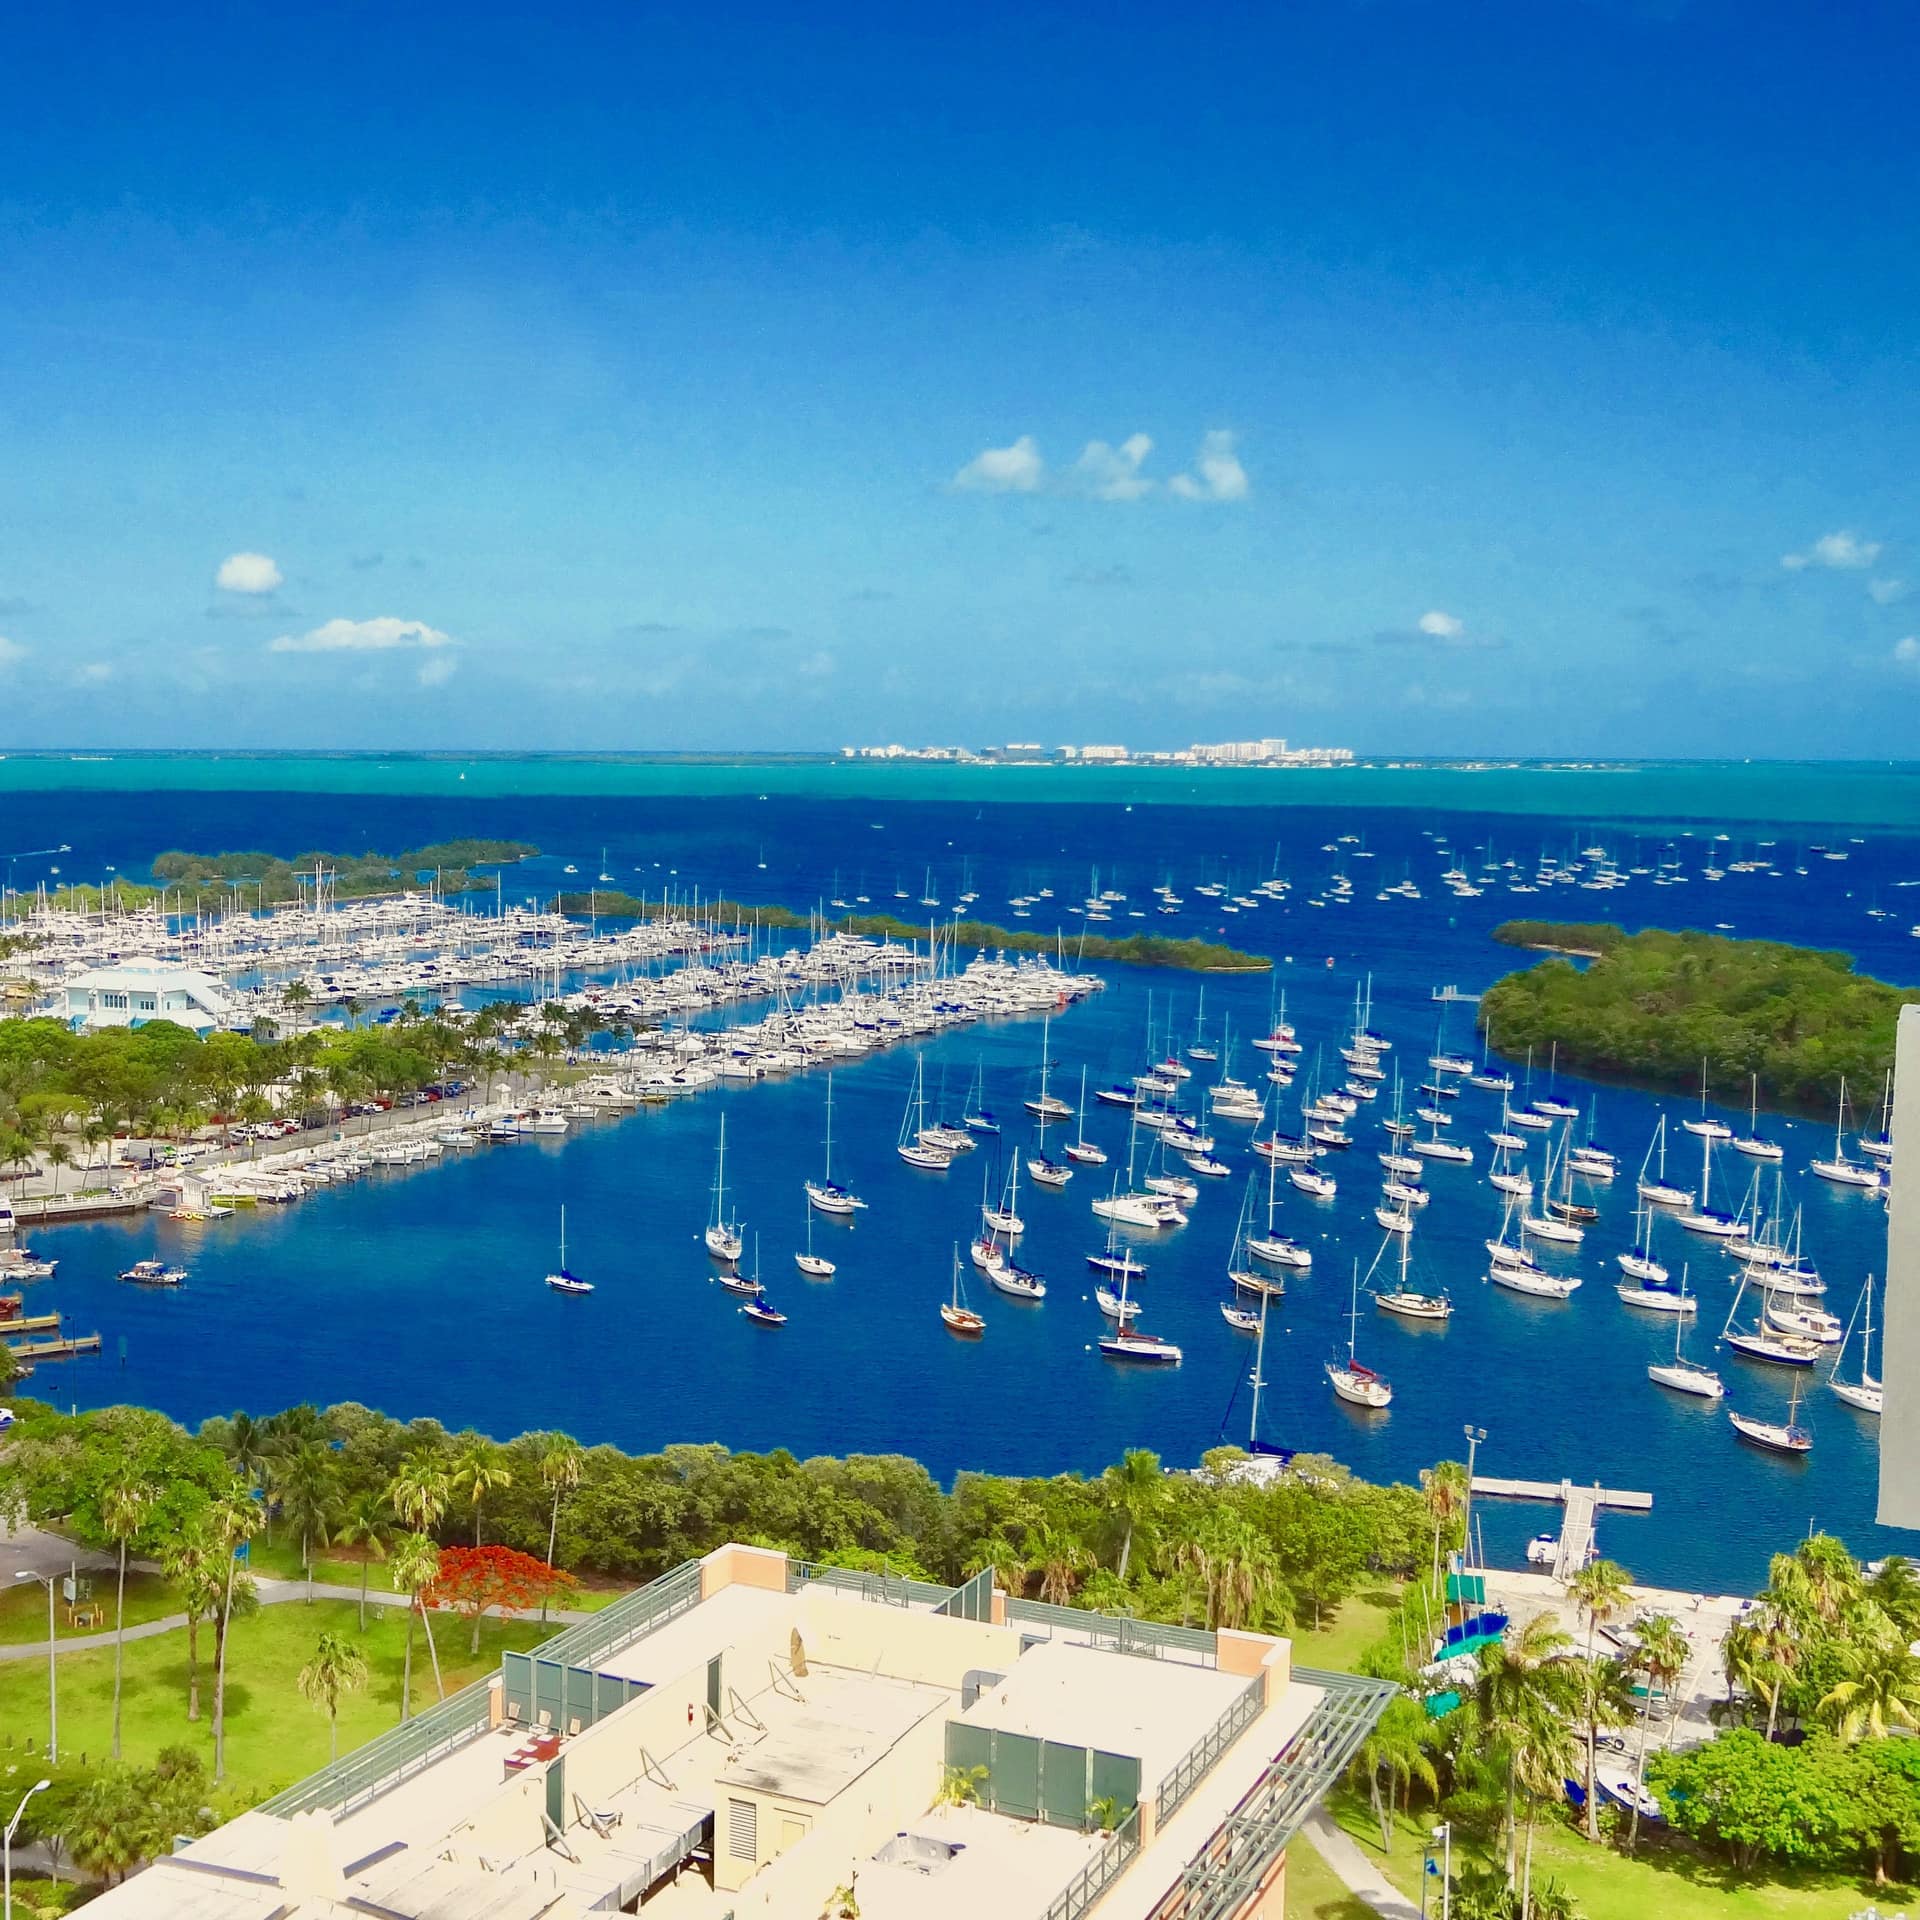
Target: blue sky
<point>1432,379</point>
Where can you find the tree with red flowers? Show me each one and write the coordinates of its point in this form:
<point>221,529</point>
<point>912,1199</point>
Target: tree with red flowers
<point>476,1580</point>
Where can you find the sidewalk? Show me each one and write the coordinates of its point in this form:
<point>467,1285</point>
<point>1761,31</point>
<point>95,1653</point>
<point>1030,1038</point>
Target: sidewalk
<point>1354,1870</point>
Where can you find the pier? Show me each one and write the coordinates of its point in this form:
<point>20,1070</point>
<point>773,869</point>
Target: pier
<point>55,1349</point>
<point>1581,1504</point>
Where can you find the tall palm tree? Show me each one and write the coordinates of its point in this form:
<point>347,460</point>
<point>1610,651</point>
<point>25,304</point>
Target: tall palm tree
<point>308,1486</point>
<point>561,1461</point>
<point>1135,1490</point>
<point>192,1563</point>
<point>1662,1655</point>
<point>1542,1755</point>
<point>59,1155</point>
<point>1237,1567</point>
<point>247,1447</point>
<point>1761,1653</point>
<point>366,1523</point>
<point>1602,1590</point>
<point>1445,1488</point>
<point>1518,1676</point>
<point>123,1511</point>
<point>480,1468</point>
<point>413,1566</point>
<point>1062,1561</point>
<point>420,1489</point>
<point>337,1667</point>
<point>1882,1687</point>
<point>1394,1752</point>
<point>234,1516</point>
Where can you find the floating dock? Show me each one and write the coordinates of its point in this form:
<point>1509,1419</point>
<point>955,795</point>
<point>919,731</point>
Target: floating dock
<point>1581,1504</point>
<point>14,1324</point>
<point>56,1349</point>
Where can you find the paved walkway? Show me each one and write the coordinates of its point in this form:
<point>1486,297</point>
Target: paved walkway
<point>272,1593</point>
<point>1354,1870</point>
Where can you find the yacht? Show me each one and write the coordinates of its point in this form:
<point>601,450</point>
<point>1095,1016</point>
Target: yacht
<point>722,1235</point>
<point>912,1146</point>
<point>154,1273</point>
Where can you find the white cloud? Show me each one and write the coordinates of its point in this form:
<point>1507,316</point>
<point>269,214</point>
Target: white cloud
<point>95,673</point>
<point>1841,550</point>
<point>380,635</point>
<point>437,671</point>
<point>1441,626</point>
<point>1906,653</point>
<point>1883,593</point>
<point>11,652</point>
<point>247,573</point>
<point>1219,475</point>
<point>1014,469</point>
<point>1113,473</point>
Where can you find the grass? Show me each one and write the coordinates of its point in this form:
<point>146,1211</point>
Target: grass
<point>1313,1892</point>
<point>1670,1879</point>
<point>1360,1623</point>
<point>273,1736</point>
<point>23,1607</point>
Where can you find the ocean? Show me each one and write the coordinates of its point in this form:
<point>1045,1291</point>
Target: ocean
<point>419,1291</point>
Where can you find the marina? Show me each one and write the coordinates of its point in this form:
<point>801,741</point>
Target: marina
<point>627,1132</point>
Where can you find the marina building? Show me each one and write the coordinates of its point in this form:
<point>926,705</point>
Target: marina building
<point>1900,1358</point>
<point>129,993</point>
<point>752,1738</point>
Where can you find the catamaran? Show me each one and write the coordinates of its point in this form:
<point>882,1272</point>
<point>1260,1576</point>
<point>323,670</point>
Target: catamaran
<point>1866,1392</point>
<point>826,1195</point>
<point>565,1281</point>
<point>1357,1385</point>
<point>723,1234</point>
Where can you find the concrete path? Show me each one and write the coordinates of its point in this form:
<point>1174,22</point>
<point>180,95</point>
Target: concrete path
<point>273,1593</point>
<point>1354,1870</point>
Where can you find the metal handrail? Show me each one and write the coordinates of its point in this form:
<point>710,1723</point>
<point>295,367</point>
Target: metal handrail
<point>1125,1634</point>
<point>1099,1873</point>
<point>1198,1760</point>
<point>888,1589</point>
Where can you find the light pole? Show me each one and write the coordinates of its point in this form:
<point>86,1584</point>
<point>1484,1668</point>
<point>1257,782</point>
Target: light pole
<point>1444,1834</point>
<point>6,1845</point>
<point>53,1692</point>
<point>1474,1436</point>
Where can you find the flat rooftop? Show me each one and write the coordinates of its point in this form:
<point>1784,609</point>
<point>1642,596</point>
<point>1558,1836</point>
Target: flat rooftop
<point>813,1749</point>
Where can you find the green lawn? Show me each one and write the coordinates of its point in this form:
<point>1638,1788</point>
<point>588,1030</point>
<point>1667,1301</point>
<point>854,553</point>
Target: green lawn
<point>1312,1891</point>
<point>1360,1622</point>
<point>23,1607</point>
<point>1675,1882</point>
<point>273,1735</point>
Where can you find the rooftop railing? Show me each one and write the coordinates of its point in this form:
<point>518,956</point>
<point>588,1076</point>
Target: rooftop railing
<point>1195,1764</point>
<point>887,1589</point>
<point>1099,1873</point>
<point>1146,1637</point>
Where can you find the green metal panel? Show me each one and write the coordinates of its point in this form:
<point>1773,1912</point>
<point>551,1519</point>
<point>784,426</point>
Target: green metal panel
<point>516,1686</point>
<point>1015,1783</point>
<point>969,1747</point>
<point>971,1601</point>
<point>713,1683</point>
<point>549,1693</point>
<point>1468,1587</point>
<point>1063,1785</point>
<point>1115,1777</point>
<point>557,1791</point>
<point>579,1698</point>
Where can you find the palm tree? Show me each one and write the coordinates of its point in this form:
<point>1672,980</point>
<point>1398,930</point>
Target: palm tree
<point>1602,1590</point>
<point>1662,1656</point>
<point>1543,1754</point>
<point>308,1486</point>
<point>561,1460</point>
<point>1445,1488</point>
<point>1882,1687</point>
<point>235,1516</point>
<point>337,1667</point>
<point>1007,1561</point>
<point>123,1509</point>
<point>480,1468</point>
<point>1517,1676</point>
<point>414,1566</point>
<point>366,1523</point>
<point>1394,1751</point>
<point>298,996</point>
<point>420,1490</point>
<point>1236,1565</point>
<point>1062,1560</point>
<point>1136,1490</point>
<point>1761,1653</point>
<point>191,1562</point>
<point>247,1447</point>
<point>59,1155</point>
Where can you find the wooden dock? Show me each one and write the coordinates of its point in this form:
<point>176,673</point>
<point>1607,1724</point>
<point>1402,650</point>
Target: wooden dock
<point>56,1349</point>
<point>13,1324</point>
<point>1580,1504</point>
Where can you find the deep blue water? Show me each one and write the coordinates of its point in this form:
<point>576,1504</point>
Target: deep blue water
<point>419,1291</point>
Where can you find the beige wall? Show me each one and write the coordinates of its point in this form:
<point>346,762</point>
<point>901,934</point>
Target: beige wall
<point>1900,1360</point>
<point>736,1566</point>
<point>1251,1653</point>
<point>902,1642</point>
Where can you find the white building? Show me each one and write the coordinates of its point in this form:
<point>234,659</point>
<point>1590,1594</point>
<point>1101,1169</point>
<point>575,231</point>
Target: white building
<point>135,991</point>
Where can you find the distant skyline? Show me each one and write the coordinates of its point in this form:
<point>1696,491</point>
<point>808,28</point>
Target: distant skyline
<point>1492,381</point>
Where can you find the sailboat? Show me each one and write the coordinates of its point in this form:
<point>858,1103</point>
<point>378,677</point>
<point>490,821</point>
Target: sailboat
<point>957,1315</point>
<point>1656,1189</point>
<point>1048,1106</point>
<point>1047,1173</point>
<point>1638,1262</point>
<point>759,1309</point>
<point>1865,1393</point>
<point>1761,1343</point>
<point>1563,1206</point>
<point>723,1234</point>
<point>1515,1269</point>
<point>1198,1050</point>
<point>1255,1445</point>
<point>1240,1271</point>
<point>1544,1225</point>
<point>911,1147</point>
<point>1128,1342</point>
<point>1492,1079</point>
<point>816,1266</point>
<point>1680,1373</point>
<point>565,1281</point>
<point>1707,1127</point>
<point>1778,1436</point>
<point>1552,1106</point>
<point>1840,1171</point>
<point>1750,1143</point>
<point>826,1195</point>
<point>977,1119</point>
<point>1706,1218</point>
<point>1083,1149</point>
<point>1117,1260</point>
<point>1276,1249</point>
<point>1358,1386</point>
<point>1405,1301</point>
<point>1879,1146</point>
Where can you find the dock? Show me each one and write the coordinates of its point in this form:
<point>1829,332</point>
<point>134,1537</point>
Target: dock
<point>56,1349</point>
<point>1581,1504</point>
<point>16,1323</point>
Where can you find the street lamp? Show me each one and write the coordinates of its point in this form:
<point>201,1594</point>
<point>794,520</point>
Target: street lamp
<point>53,1695</point>
<point>1443,1833</point>
<point>6,1845</point>
<point>1474,1436</point>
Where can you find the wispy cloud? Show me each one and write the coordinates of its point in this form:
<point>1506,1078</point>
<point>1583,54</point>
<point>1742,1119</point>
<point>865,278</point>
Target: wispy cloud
<point>248,573</point>
<point>1437,629</point>
<point>383,634</point>
<point>1217,475</point>
<point>1842,550</point>
<point>96,673</point>
<point>11,653</point>
<point>437,669</point>
<point>1014,469</point>
<point>1113,473</point>
<point>1883,593</point>
<point>1441,626</point>
<point>1906,653</point>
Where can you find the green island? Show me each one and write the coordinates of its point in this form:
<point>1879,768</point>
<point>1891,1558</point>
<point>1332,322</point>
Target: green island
<point>1648,1008</point>
<point>279,882</point>
<point>390,1561</point>
<point>1136,949</point>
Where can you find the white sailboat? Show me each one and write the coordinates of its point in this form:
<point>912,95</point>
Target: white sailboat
<point>816,1266</point>
<point>1655,1188</point>
<point>723,1234</point>
<point>1778,1436</point>
<point>1406,1301</point>
<point>826,1195</point>
<point>1128,1342</point>
<point>913,1124</point>
<point>1680,1373</point>
<point>1047,1107</point>
<point>1084,1150</point>
<point>565,1280</point>
<point>1638,1262</point>
<point>955,1314</point>
<point>1866,1393</point>
<point>1761,1343</point>
<point>1707,1127</point>
<point>1705,1218</point>
<point>1277,1249</point>
<point>1840,1171</point>
<point>1357,1385</point>
<point>1750,1143</point>
<point>1240,1269</point>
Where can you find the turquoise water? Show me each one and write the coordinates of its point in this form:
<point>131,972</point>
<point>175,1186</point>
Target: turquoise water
<point>1881,795</point>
